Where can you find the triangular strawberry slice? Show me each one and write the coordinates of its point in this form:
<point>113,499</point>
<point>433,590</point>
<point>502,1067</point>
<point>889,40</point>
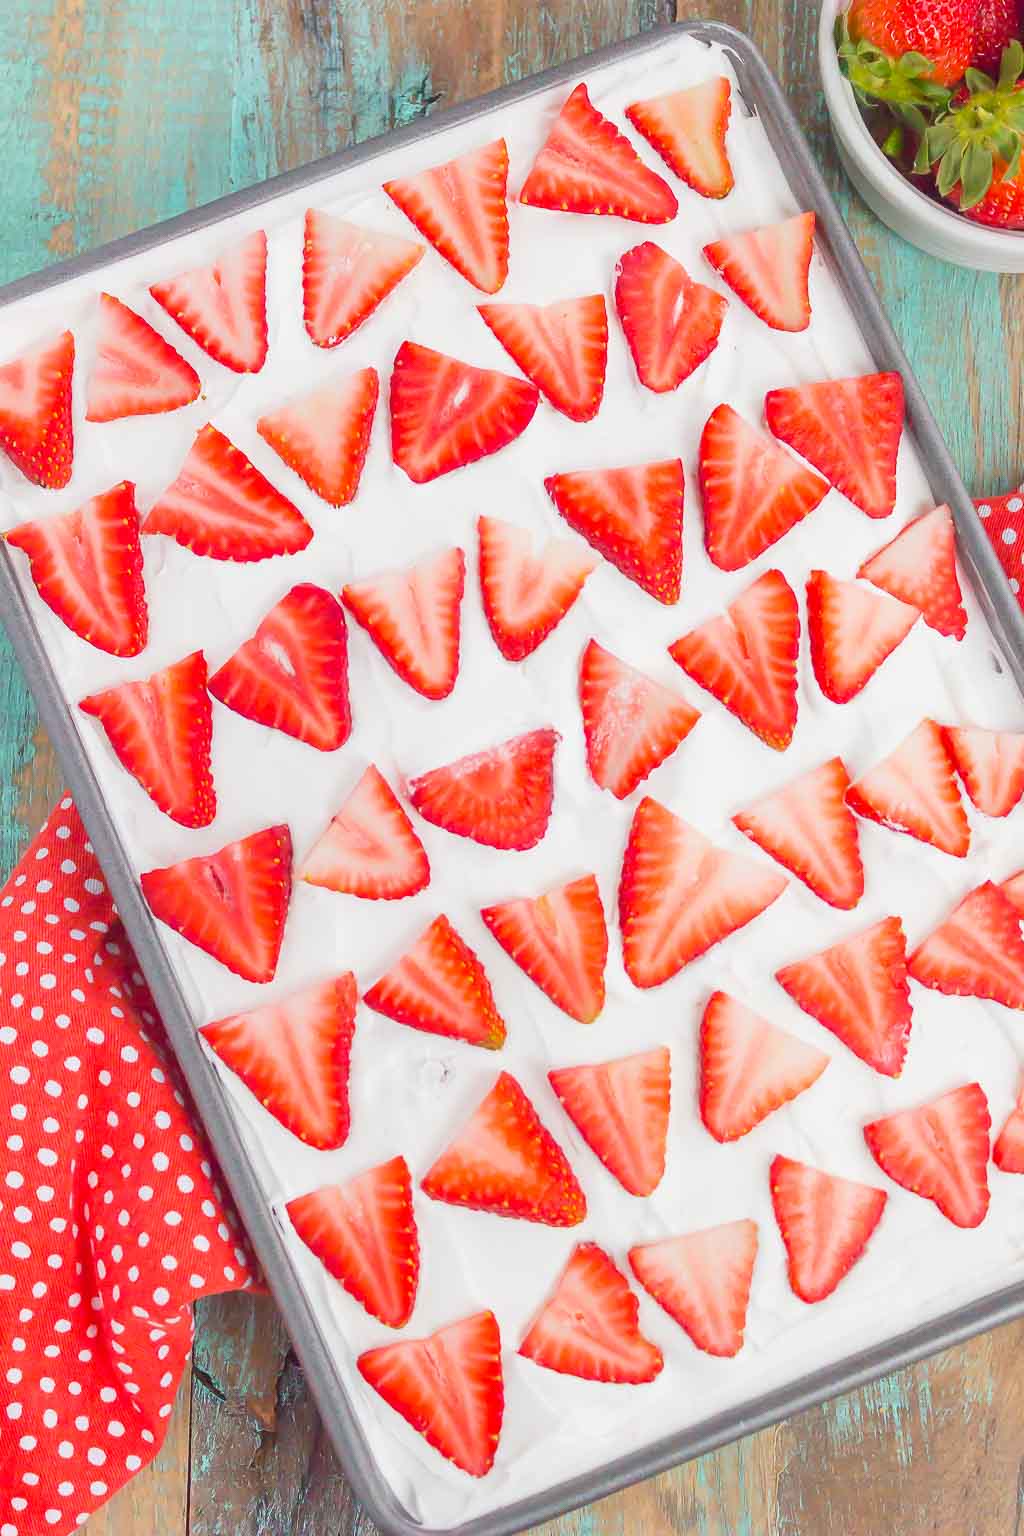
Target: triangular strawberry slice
<point>749,1068</point>
<point>768,269</point>
<point>448,1387</point>
<point>364,1234</point>
<point>461,208</point>
<point>526,595</point>
<point>160,730</point>
<point>500,797</point>
<point>590,1326</point>
<point>688,129</point>
<point>826,1224</point>
<point>940,1152</point>
<point>588,166</point>
<point>753,491</point>
<point>858,989</point>
<point>221,506</point>
<point>671,323</point>
<point>919,567</point>
<point>561,347</point>
<point>369,849</point>
<point>977,952</point>
<point>347,271</point>
<point>630,722</point>
<point>852,631</point>
<point>633,517</point>
<point>621,1109</point>
<point>412,617</point>
<point>440,986</point>
<point>1008,1152</point>
<point>323,436</point>
<point>679,894</point>
<point>747,658</point>
<point>560,940</point>
<point>136,372</point>
<point>850,430</point>
<point>446,414</point>
<point>990,765</point>
<point>231,904</point>
<point>293,674</point>
<point>810,829</point>
<point>914,790</point>
<point>505,1162</point>
<point>36,430</point>
<point>223,307</point>
<point>702,1280</point>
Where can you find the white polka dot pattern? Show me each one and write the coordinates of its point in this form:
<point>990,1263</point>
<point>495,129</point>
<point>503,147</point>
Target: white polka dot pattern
<point>1003,520</point>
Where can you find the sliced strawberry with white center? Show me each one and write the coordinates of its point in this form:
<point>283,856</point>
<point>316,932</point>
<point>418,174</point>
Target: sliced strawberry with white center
<point>293,674</point>
<point>294,1056</point>
<point>940,1152</point>
<point>588,166</point>
<point>747,658</point>
<point>446,414</point>
<point>748,1067</point>
<point>810,829</point>
<point>562,347</point>
<point>87,567</point>
<point>753,491</point>
<point>621,1109</point>
<point>440,986</point>
<point>852,631</point>
<point>160,730</point>
<point>977,952</point>
<point>671,323</point>
<point>500,797</point>
<point>688,129</point>
<point>679,894</point>
<point>223,307</point>
<point>412,617</point>
<point>633,517</point>
<point>370,848</point>
<point>991,766</point>
<point>768,269</point>
<point>347,271</point>
<point>525,595</point>
<point>849,429</point>
<point>1008,1152</point>
<point>36,430</point>
<point>323,436</point>
<point>914,790</point>
<point>703,1281</point>
<point>136,372</point>
<point>461,207</point>
<point>858,989</point>
<point>631,723</point>
<point>1013,890</point>
<point>231,904</point>
<point>560,940</point>
<point>919,567</point>
<point>826,1223</point>
<point>590,1326</point>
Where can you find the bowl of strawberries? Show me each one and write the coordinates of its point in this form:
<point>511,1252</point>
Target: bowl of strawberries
<point>926,102</point>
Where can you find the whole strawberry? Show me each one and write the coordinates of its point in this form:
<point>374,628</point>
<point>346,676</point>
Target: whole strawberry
<point>997,25</point>
<point>975,147</point>
<point>942,31</point>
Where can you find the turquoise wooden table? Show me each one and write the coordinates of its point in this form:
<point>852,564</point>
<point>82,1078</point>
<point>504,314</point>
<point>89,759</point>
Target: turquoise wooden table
<point>114,113</point>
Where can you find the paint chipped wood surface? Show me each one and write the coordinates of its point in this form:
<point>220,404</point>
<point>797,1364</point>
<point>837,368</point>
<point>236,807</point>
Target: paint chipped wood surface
<point>114,113</point>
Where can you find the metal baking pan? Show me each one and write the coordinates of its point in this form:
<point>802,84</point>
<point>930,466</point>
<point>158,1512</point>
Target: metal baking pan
<point>763,96</point>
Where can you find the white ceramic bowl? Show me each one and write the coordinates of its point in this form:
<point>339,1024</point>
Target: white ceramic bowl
<point>897,202</point>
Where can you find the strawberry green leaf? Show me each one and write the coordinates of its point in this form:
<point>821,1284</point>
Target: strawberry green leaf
<point>975,175</point>
<point>949,168</point>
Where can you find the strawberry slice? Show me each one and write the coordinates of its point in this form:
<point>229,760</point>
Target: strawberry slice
<point>347,271</point>
<point>364,1234</point>
<point>1008,1152</point>
<point>914,790</point>
<point>671,323</point>
<point>560,940</point>
<point>223,307</point>
<point>500,797</point>
<point>36,430</point>
<point>323,436</point>
<point>826,1223</point>
<point>412,617</point>
<point>1013,890</point>
<point>633,517</point>
<point>293,674</point>
<point>810,829</point>
<point>850,430</point>
<point>919,567</point>
<point>990,764</point>
<point>561,347</point>
<point>221,506</point>
<point>87,567</point>
<point>590,1326</point>
<point>136,372</point>
<point>747,658</point>
<point>977,952</point>
<point>231,904</point>
<point>702,1280</point>
<point>768,269</point>
<point>621,1108</point>
<point>940,1152</point>
<point>445,414</point>
<point>294,1056</point>
<point>461,208</point>
<point>369,849</point>
<point>753,491</point>
<point>852,632</point>
<point>858,989</point>
<point>160,730</point>
<point>679,894</point>
<point>748,1067</point>
<point>525,596</point>
<point>588,166</point>
<point>440,986</point>
<point>631,723</point>
<point>687,128</point>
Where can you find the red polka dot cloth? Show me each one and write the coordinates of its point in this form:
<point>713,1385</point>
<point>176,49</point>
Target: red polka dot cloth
<point>1003,517</point>
<point>111,1218</point>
